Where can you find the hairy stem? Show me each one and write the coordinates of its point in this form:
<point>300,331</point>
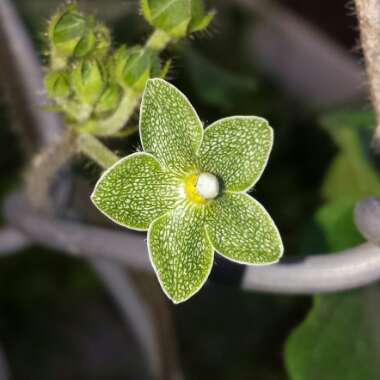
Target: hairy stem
<point>158,40</point>
<point>369,21</point>
<point>128,132</point>
<point>43,168</point>
<point>96,150</point>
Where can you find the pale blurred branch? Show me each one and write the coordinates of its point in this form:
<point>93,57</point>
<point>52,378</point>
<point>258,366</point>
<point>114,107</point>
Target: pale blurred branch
<point>348,269</point>
<point>369,21</point>
<point>12,240</point>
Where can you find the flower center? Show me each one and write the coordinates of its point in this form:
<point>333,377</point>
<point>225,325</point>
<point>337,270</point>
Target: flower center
<point>202,187</point>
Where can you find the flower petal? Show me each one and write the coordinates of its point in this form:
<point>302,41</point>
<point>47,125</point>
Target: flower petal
<point>135,191</point>
<point>237,150</point>
<point>180,252</point>
<point>241,230</point>
<point>170,128</point>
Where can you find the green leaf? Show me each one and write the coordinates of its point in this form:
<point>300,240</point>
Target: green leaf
<point>169,126</point>
<point>180,252</point>
<point>240,229</point>
<point>237,149</point>
<point>135,191</point>
<point>351,175</point>
<point>336,341</point>
<point>358,120</point>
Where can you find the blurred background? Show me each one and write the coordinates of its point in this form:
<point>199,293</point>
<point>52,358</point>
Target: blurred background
<point>295,63</point>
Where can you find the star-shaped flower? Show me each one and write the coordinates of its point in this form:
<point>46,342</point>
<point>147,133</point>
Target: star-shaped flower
<point>188,190</point>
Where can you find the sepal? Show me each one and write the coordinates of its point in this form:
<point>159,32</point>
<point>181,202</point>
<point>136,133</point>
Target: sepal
<point>57,84</point>
<point>88,80</point>
<point>109,100</point>
<point>131,68</point>
<point>65,29</point>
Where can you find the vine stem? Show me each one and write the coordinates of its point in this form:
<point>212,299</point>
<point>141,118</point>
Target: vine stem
<point>369,20</point>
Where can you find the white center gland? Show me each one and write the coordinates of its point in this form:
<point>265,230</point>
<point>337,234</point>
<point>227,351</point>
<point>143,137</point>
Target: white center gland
<point>207,185</point>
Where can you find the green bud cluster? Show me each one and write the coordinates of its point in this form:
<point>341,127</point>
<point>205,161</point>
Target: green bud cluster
<point>72,35</point>
<point>97,87</point>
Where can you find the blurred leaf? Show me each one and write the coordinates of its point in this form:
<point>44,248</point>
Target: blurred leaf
<point>351,175</point>
<point>335,219</point>
<point>335,342</point>
<point>215,85</point>
<point>338,338</point>
<point>358,120</point>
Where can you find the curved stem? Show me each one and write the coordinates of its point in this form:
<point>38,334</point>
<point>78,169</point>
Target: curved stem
<point>96,150</point>
<point>117,120</point>
<point>347,269</point>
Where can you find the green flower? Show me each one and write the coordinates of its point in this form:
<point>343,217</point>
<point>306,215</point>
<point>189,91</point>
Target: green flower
<point>188,190</point>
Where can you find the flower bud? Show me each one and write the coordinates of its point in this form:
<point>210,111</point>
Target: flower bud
<point>96,41</point>
<point>109,100</point>
<point>66,29</point>
<point>56,84</point>
<point>131,67</point>
<point>103,40</point>
<point>85,45</point>
<point>73,35</point>
<point>177,18</point>
<point>88,80</point>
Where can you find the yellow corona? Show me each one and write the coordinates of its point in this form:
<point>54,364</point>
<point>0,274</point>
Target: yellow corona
<point>200,188</point>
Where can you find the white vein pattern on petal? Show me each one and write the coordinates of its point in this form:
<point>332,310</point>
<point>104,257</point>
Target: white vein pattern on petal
<point>169,126</point>
<point>180,252</point>
<point>135,191</point>
<point>241,229</point>
<point>237,149</point>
